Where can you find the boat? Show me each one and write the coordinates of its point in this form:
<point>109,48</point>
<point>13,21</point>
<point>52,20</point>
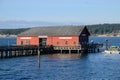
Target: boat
<point>113,50</point>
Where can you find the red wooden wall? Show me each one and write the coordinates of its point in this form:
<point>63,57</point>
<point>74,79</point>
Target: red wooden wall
<point>63,40</point>
<point>56,40</point>
<point>27,40</point>
<point>51,40</point>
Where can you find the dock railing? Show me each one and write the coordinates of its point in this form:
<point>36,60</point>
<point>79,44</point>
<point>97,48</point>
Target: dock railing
<point>95,45</point>
<point>67,47</point>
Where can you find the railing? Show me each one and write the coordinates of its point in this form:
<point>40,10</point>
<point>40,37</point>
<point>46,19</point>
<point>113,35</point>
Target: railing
<point>17,47</point>
<point>90,45</point>
<point>66,47</point>
<point>23,47</point>
<point>95,45</point>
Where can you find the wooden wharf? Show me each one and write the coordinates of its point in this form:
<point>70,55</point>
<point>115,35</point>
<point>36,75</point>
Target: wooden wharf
<point>86,48</point>
<point>17,51</point>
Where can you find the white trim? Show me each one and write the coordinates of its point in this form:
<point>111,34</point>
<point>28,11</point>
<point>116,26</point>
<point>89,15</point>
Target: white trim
<point>65,37</point>
<point>26,38</point>
<point>42,36</point>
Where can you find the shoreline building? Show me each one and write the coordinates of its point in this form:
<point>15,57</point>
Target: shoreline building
<point>55,36</point>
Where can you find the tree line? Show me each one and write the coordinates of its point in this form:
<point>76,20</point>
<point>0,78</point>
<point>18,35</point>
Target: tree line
<point>104,28</point>
<point>12,31</point>
<point>93,29</point>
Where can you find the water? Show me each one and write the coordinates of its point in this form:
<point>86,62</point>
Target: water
<point>64,67</point>
<point>7,41</point>
<point>112,40</point>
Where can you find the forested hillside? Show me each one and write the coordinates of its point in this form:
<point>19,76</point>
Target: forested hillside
<point>12,31</point>
<point>99,29</point>
<point>113,29</point>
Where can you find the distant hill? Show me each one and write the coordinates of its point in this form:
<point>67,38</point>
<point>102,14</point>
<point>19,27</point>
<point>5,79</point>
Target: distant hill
<point>12,31</point>
<point>98,29</point>
<point>108,29</point>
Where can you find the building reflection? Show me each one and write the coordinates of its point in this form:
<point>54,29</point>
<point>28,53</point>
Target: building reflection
<point>64,56</point>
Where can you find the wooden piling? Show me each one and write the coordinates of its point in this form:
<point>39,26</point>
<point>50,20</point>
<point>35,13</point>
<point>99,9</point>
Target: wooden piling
<point>38,58</point>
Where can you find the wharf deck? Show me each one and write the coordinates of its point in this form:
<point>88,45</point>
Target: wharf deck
<point>86,48</point>
<point>16,51</point>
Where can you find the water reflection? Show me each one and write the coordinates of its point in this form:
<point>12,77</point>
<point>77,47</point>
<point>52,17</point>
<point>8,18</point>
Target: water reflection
<point>111,55</point>
<point>77,67</point>
<point>66,56</point>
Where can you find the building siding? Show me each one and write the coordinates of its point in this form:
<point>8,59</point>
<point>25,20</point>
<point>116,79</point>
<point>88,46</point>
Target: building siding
<point>27,40</point>
<point>82,37</point>
<point>63,40</point>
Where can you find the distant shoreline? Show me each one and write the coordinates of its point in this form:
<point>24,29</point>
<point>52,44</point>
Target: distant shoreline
<point>7,36</point>
<point>107,35</point>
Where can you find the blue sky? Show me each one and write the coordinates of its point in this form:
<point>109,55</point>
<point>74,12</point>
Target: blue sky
<point>66,11</point>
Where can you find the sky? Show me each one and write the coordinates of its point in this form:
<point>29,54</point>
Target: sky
<point>65,11</point>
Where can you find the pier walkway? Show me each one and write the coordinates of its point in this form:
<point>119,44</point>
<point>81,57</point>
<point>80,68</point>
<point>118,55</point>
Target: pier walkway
<point>17,51</point>
<point>86,48</point>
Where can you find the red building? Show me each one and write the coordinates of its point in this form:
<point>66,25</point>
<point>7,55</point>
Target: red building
<point>56,36</point>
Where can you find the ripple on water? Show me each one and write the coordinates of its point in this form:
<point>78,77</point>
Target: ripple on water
<point>89,67</point>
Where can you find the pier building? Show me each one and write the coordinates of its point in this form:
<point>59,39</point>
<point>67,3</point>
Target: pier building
<point>49,40</point>
<point>55,36</point>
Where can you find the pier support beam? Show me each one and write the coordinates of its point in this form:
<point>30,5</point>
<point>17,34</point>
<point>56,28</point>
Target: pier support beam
<point>69,51</point>
<point>61,51</point>
<point>78,51</point>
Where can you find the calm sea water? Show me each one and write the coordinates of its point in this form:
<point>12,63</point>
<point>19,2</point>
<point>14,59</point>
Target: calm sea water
<point>97,66</point>
<point>7,41</point>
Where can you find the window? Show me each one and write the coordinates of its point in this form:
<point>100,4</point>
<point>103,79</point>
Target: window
<point>74,43</point>
<point>27,42</point>
<point>66,42</point>
<point>21,43</point>
<point>57,43</point>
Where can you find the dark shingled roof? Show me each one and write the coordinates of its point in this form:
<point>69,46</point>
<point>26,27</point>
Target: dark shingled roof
<point>53,31</point>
